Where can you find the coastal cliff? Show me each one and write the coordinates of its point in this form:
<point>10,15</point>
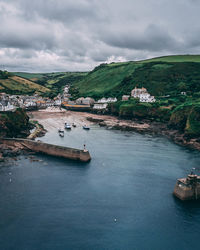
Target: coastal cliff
<point>14,123</point>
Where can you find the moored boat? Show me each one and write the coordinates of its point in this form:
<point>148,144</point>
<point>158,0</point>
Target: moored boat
<point>60,130</point>
<point>61,134</point>
<point>86,127</point>
<point>67,126</point>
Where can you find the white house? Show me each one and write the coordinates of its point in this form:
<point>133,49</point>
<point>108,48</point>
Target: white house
<point>100,106</point>
<point>57,102</point>
<point>66,89</point>
<point>85,101</point>
<point>108,100</point>
<point>142,94</point>
<point>6,106</point>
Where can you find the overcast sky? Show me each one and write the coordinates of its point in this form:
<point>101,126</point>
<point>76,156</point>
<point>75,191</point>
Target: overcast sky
<point>77,35</point>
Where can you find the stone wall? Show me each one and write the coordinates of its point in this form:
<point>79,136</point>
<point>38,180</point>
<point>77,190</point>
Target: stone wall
<point>49,149</point>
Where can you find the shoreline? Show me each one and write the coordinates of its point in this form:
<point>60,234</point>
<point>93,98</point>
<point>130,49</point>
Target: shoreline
<point>55,119</point>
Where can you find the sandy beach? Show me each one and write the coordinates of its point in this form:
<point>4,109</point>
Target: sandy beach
<point>55,118</point>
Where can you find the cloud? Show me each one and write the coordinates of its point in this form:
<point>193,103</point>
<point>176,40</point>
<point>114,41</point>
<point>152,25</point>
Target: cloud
<point>153,38</point>
<point>63,35</point>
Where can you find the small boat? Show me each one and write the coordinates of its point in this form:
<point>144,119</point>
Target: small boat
<point>73,125</point>
<point>61,134</point>
<point>60,130</point>
<point>86,127</point>
<point>67,126</point>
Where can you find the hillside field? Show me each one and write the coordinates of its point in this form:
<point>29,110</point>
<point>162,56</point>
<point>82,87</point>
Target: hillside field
<point>161,76</point>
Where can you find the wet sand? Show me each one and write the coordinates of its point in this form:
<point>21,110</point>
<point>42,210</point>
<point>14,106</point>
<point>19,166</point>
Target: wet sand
<point>55,118</point>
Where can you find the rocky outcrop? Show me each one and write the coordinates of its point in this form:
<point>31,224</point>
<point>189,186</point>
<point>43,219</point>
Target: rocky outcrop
<point>38,132</point>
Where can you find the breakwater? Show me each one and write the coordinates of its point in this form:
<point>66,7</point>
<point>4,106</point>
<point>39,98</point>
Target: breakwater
<point>49,149</point>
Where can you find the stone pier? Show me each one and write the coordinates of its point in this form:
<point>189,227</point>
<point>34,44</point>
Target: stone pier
<point>49,149</point>
<point>188,188</point>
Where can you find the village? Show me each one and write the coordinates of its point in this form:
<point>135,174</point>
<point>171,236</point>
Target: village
<point>34,102</point>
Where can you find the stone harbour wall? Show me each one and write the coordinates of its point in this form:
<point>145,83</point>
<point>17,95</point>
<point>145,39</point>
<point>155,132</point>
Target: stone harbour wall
<point>49,149</point>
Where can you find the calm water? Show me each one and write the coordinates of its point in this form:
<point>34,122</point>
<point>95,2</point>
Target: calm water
<point>122,199</point>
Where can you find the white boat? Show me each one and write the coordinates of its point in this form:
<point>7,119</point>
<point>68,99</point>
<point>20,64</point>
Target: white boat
<point>61,134</point>
<point>86,127</point>
<point>67,126</point>
<point>60,130</point>
<point>73,125</point>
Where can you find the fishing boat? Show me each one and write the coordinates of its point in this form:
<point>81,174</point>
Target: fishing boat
<point>73,125</point>
<point>67,126</point>
<point>86,127</point>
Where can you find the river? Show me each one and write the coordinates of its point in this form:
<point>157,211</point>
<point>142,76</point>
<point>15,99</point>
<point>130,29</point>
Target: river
<point>122,199</point>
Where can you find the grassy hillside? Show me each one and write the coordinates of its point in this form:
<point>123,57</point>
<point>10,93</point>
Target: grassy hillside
<point>164,77</point>
<point>161,76</point>
<point>46,84</point>
<point>29,76</point>
<point>171,58</point>
<point>103,80</point>
<point>17,85</point>
<point>174,58</point>
<point>53,81</point>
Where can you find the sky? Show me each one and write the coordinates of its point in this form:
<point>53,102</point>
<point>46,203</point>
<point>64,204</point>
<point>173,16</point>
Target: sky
<point>77,35</point>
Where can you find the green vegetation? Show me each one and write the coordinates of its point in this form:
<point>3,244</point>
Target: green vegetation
<point>4,74</point>
<point>134,109</point>
<point>29,76</point>
<point>52,81</point>
<point>164,77</point>
<point>18,85</point>
<point>45,84</point>
<point>104,81</point>
<point>174,58</point>
<point>13,124</point>
<point>160,79</point>
<point>57,81</point>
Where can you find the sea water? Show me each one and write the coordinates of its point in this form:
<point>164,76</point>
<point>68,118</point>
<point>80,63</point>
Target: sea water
<point>122,199</point>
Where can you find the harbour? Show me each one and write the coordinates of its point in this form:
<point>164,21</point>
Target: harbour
<point>122,199</point>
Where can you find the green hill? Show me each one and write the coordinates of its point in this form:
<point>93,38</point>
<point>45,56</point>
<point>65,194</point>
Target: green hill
<point>174,58</point>
<point>54,81</point>
<point>161,76</point>
<point>46,84</point>
<point>12,84</point>
<point>164,77</point>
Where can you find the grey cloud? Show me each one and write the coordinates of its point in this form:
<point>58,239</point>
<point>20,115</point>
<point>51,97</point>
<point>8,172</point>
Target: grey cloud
<point>47,35</point>
<point>153,38</point>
